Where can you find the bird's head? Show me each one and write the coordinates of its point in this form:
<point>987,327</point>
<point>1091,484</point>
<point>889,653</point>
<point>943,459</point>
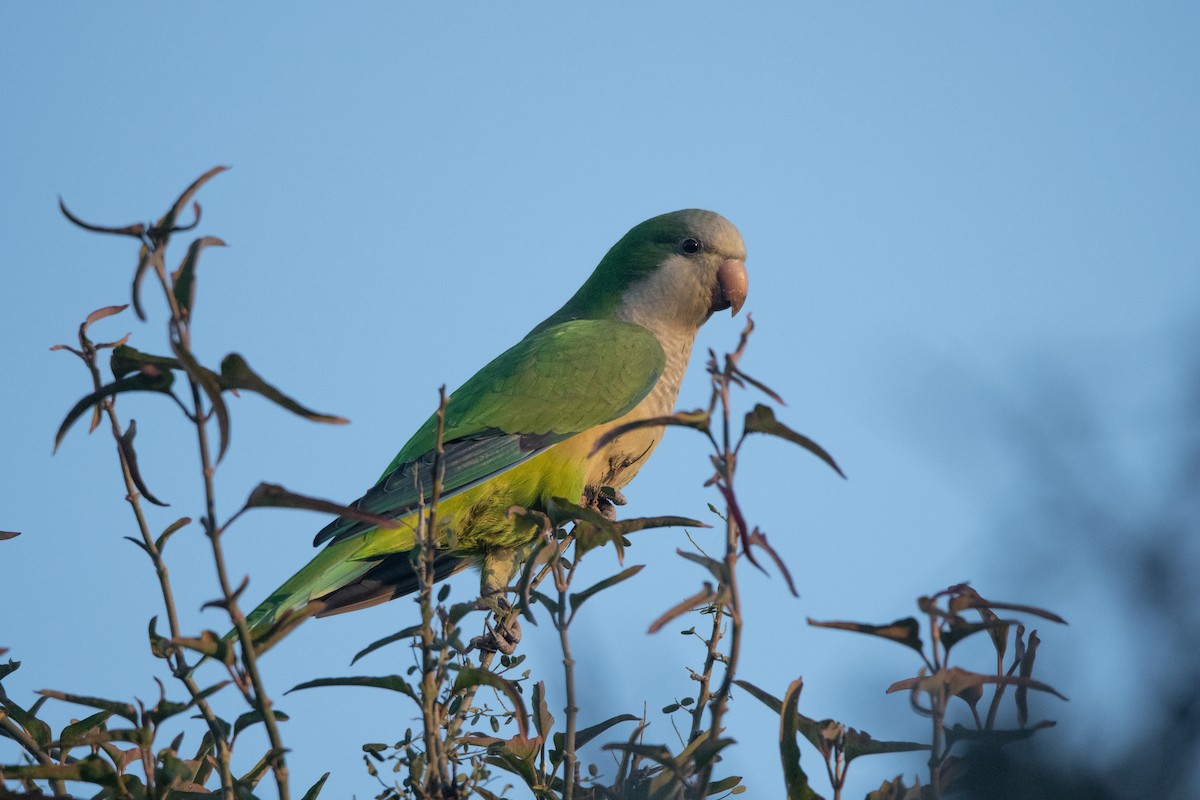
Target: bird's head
<point>674,270</point>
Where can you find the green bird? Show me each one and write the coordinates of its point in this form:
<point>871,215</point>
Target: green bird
<point>522,430</point>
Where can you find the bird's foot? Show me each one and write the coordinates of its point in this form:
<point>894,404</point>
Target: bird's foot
<point>505,636</point>
<point>603,499</point>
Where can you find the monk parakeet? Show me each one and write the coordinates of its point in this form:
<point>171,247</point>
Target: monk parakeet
<point>521,431</point>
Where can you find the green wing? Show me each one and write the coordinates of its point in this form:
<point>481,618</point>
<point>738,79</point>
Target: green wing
<point>552,385</point>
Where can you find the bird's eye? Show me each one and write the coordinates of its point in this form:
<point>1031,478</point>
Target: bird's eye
<point>690,246</point>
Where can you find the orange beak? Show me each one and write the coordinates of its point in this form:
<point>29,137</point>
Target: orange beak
<point>732,286</point>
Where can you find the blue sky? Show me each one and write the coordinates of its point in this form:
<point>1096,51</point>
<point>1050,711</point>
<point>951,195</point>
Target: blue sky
<point>938,200</point>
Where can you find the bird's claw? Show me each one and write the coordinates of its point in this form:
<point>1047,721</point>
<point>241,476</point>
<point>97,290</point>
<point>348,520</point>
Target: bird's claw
<point>603,499</point>
<point>506,634</point>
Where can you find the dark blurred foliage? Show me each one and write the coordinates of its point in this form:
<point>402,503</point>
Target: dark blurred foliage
<point>1121,501</point>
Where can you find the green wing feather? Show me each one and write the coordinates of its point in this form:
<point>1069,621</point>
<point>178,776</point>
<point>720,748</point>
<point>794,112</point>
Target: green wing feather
<point>549,387</point>
<point>554,384</point>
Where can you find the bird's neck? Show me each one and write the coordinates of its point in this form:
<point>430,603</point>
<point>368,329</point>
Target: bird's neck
<point>676,340</point>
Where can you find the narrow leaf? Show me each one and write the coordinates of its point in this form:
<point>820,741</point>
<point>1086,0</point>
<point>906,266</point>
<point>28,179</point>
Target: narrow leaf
<point>101,313</point>
<point>762,420</point>
<point>315,790</point>
<point>183,280</point>
<point>395,637</point>
<point>168,220</point>
<point>125,710</point>
<point>393,683</point>
<point>478,676</point>
<point>253,718</point>
<point>904,631</point>
<point>272,495</point>
<point>126,360</point>
<point>789,749</point>
<point>141,382</point>
<point>210,384</point>
<point>236,374</point>
<point>73,733</point>
<point>161,541</point>
<point>705,596</point>
<point>577,599</point>
<point>126,445</point>
<point>9,535</point>
<point>698,419</point>
<point>38,730</point>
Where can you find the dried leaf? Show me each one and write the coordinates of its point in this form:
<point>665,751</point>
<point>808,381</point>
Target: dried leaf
<point>762,420</point>
<point>9,535</point>
<point>698,419</point>
<point>168,220</point>
<point>759,539</point>
<point>236,374</point>
<point>1026,670</point>
<point>905,631</point>
<point>704,597</point>
<point>135,230</point>
<point>272,495</point>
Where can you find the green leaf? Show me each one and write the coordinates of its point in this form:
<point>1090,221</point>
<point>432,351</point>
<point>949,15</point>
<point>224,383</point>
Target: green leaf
<point>857,743</point>
<point>160,646</point>
<point>236,374</point>
<point>762,420</point>
<point>38,730</point>
<point>477,676</point>
<point>210,384</point>
<point>586,735</point>
<point>252,718</point>
<point>789,749</point>
<point>315,790</point>
<point>407,633</point>
<point>723,785</point>
<point>183,280</point>
<point>126,360</point>
<point>577,599</point>
<point>208,644</point>
<point>393,683</point>
<point>161,541</point>
<point>73,734</point>
<point>131,461</point>
<point>90,769</point>
<point>125,710</point>
<point>904,631</point>
<point>543,720</point>
<point>141,382</point>
<point>9,668</point>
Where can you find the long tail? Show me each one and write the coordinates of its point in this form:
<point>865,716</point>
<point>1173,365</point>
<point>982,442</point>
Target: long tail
<point>335,582</point>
